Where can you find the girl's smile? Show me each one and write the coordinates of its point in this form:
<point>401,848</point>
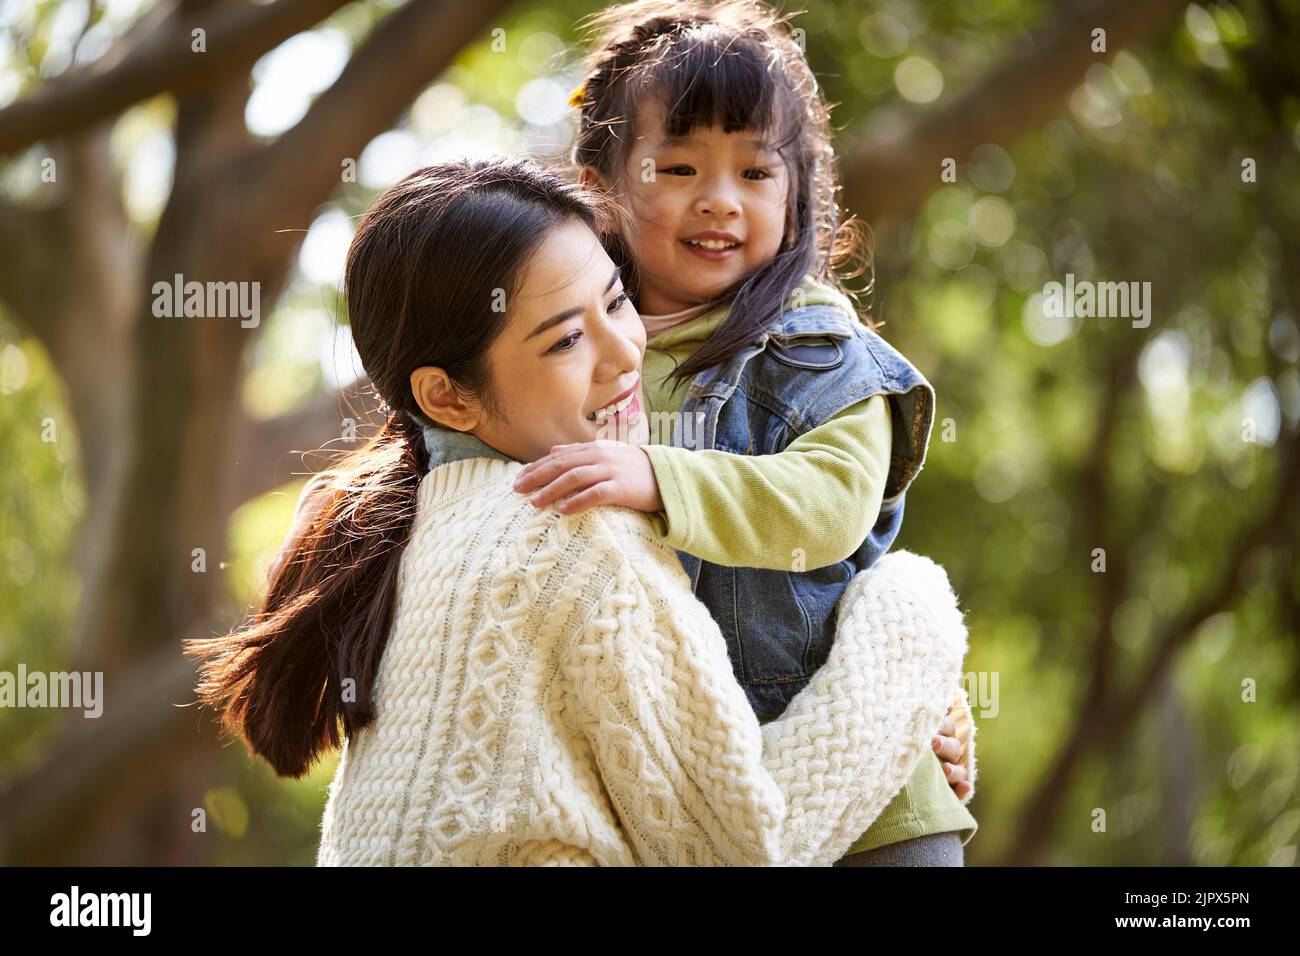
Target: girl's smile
<point>713,246</point>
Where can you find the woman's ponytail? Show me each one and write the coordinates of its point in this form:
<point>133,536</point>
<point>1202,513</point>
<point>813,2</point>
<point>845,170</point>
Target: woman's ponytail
<point>308,659</point>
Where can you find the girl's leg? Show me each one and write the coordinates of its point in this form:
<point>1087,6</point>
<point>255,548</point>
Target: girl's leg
<point>937,849</point>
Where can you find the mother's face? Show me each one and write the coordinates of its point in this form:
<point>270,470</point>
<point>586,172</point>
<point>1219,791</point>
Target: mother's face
<point>572,346</point>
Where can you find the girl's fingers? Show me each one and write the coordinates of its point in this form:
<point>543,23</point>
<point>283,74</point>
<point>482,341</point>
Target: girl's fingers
<point>948,727</point>
<point>534,475</point>
<point>962,789</point>
<point>948,748</point>
<point>568,483</point>
<point>548,468</point>
<point>954,773</point>
<point>595,495</point>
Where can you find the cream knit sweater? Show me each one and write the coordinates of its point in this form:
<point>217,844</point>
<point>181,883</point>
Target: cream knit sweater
<point>553,693</point>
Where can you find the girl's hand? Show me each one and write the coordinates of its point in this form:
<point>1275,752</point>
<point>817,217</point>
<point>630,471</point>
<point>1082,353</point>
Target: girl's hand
<point>601,472</point>
<point>950,745</point>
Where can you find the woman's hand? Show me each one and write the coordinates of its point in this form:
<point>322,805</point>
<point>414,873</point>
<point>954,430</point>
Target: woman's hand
<point>950,745</point>
<point>601,472</point>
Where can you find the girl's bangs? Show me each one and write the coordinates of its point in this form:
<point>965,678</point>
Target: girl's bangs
<point>703,84</point>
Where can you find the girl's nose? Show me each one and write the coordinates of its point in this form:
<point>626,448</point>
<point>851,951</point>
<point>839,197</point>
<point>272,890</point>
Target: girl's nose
<point>718,201</point>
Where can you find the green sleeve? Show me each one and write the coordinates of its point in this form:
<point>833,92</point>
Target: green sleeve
<point>820,496</point>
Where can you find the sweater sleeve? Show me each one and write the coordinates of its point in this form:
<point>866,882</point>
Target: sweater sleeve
<point>900,639</point>
<point>821,495</point>
<point>691,775</point>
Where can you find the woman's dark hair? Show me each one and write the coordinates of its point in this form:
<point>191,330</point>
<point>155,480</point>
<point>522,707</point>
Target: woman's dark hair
<point>732,64</point>
<point>424,279</point>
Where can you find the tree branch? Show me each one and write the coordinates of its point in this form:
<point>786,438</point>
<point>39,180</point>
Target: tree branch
<point>1095,495</point>
<point>889,175</point>
<point>162,60</point>
<point>30,237</point>
<point>406,52</point>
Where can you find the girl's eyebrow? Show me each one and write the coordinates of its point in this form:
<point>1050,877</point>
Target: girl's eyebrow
<point>569,313</point>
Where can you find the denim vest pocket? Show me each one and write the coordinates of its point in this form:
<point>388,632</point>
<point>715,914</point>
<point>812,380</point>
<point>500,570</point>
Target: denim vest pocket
<point>769,649</point>
<point>817,593</point>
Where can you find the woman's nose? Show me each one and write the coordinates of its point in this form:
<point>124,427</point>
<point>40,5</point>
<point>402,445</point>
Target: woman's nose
<point>620,354</point>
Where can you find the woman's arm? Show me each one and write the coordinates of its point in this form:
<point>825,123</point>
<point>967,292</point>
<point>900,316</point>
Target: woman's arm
<point>898,627</point>
<point>691,775</point>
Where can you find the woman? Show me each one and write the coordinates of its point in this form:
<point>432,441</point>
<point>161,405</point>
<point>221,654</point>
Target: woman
<point>518,686</point>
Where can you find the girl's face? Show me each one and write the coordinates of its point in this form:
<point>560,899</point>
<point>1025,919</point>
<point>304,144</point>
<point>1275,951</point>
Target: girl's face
<point>725,190</point>
<point>572,346</point>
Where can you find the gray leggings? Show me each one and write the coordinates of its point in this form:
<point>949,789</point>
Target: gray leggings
<point>937,849</point>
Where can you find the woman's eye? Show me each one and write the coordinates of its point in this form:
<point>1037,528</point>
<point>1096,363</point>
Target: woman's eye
<point>566,343</point>
<point>761,174</point>
<point>618,303</point>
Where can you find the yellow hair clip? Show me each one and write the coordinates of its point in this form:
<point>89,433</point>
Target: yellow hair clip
<point>577,96</point>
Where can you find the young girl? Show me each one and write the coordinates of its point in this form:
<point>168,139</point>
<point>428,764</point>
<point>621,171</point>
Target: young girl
<point>791,452</point>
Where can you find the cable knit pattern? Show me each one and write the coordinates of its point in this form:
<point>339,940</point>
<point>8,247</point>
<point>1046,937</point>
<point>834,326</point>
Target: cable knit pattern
<point>553,693</point>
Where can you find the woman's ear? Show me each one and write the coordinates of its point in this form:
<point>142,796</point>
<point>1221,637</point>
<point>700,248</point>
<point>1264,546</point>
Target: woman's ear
<point>441,402</point>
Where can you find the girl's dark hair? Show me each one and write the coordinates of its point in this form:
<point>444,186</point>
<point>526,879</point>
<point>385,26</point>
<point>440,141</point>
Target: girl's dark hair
<point>733,64</point>
<point>424,279</point>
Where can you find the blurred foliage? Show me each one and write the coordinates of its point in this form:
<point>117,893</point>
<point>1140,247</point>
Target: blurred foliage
<point>1138,180</point>
<point>41,504</point>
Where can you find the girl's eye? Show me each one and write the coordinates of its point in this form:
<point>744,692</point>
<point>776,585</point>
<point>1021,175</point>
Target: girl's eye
<point>618,303</point>
<point>566,343</point>
<point>762,174</point>
<point>679,170</point>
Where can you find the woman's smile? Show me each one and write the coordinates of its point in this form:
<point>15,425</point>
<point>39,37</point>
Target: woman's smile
<point>620,404</point>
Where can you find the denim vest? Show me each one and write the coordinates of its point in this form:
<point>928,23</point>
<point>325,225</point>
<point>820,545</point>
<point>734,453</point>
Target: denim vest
<point>814,363</point>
